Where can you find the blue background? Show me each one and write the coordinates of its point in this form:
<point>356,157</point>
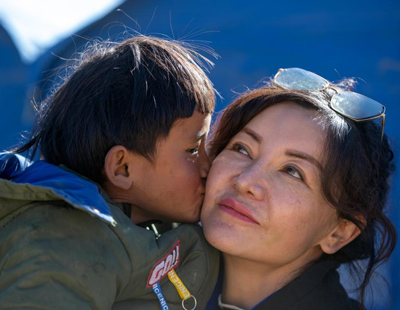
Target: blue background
<point>334,39</point>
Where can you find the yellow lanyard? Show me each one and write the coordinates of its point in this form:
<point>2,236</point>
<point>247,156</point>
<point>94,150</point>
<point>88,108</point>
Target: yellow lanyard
<point>182,290</point>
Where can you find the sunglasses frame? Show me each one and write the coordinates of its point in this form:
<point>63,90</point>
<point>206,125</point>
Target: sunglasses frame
<point>337,93</point>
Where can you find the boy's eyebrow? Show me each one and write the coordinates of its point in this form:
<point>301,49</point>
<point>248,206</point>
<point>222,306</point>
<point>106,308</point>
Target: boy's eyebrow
<point>305,156</point>
<point>200,135</point>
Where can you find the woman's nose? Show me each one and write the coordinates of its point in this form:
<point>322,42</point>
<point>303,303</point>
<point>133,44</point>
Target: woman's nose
<point>251,181</point>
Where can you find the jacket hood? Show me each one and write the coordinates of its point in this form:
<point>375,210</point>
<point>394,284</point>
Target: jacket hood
<point>24,181</point>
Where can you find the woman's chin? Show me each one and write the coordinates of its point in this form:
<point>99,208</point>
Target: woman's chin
<point>221,236</point>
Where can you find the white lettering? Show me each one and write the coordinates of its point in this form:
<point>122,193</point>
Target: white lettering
<point>168,263</point>
<point>164,266</point>
<point>157,273</point>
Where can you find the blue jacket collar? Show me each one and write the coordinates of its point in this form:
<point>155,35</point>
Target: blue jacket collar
<point>78,192</point>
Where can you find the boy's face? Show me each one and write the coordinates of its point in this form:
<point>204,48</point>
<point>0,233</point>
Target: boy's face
<point>172,187</point>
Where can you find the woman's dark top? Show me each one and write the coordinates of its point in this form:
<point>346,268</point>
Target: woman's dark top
<point>316,288</point>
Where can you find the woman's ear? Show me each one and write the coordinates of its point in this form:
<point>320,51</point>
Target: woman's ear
<point>344,232</point>
<point>116,167</point>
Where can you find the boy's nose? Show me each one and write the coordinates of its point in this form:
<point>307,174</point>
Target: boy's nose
<point>205,164</point>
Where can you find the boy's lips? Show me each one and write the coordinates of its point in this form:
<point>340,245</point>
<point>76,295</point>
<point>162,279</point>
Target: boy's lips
<point>236,210</point>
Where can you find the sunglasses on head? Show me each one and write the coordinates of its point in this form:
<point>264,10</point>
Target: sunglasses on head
<point>349,104</point>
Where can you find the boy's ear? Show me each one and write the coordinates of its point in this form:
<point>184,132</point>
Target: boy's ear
<point>344,232</point>
<point>117,166</point>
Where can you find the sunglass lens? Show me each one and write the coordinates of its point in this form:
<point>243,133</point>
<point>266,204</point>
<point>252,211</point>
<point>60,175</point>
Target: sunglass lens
<point>299,79</point>
<point>356,106</point>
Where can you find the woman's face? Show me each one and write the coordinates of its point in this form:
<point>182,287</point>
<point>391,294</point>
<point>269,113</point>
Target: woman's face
<point>263,196</point>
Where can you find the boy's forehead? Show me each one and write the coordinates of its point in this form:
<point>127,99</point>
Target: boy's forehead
<point>194,127</point>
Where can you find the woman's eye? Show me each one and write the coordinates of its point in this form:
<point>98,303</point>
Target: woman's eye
<point>193,151</point>
<point>239,148</point>
<point>293,172</point>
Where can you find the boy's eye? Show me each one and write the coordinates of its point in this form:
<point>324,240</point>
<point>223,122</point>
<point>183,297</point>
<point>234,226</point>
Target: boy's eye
<point>293,172</point>
<point>193,151</point>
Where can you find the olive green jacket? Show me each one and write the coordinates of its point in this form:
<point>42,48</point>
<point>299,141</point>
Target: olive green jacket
<point>55,254</point>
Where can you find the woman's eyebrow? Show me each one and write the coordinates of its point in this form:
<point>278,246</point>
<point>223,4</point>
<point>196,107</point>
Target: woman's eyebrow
<point>292,153</point>
<point>305,156</point>
<point>253,134</point>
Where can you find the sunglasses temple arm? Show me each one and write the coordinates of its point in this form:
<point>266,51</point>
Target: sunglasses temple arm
<point>383,125</point>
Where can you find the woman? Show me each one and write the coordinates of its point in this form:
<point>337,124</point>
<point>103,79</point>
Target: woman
<point>297,187</point>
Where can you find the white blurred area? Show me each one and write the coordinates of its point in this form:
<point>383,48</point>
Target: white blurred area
<point>35,26</point>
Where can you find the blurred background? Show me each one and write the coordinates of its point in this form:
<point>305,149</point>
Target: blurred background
<point>335,39</point>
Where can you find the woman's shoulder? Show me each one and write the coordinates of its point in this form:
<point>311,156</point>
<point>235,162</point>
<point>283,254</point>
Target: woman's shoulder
<point>318,287</point>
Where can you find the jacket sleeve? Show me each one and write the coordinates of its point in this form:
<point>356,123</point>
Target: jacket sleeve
<point>57,257</point>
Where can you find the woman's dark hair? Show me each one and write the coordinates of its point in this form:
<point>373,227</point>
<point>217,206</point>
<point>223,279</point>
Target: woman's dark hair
<point>128,93</point>
<point>356,173</point>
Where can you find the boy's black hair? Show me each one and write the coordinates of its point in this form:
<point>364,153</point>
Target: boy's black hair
<point>128,94</point>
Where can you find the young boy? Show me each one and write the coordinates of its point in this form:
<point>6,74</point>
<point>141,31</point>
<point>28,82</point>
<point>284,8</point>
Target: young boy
<point>123,142</point>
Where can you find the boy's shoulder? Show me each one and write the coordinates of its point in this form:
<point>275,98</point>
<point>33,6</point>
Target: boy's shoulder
<point>82,249</point>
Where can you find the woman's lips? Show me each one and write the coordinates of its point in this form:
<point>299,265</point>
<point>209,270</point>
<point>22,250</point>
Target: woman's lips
<point>236,210</point>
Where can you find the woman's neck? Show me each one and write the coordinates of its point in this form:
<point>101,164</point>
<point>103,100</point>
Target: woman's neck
<point>246,282</point>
